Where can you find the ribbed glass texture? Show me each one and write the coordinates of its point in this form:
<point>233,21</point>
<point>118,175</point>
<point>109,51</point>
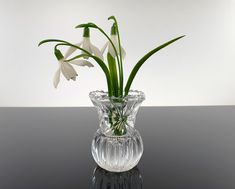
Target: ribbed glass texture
<point>117,146</point>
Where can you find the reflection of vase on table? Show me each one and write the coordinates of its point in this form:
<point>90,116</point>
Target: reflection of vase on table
<point>103,179</point>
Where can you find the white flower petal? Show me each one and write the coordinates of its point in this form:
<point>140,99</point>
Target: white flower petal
<point>123,53</point>
<point>56,78</point>
<point>114,39</point>
<point>82,63</point>
<point>86,44</point>
<point>68,71</point>
<point>96,51</point>
<point>111,50</point>
<point>71,50</point>
<point>104,47</point>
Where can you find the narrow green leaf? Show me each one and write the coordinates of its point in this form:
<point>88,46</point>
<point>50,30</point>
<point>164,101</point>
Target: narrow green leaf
<point>107,74</point>
<point>51,40</point>
<point>143,59</point>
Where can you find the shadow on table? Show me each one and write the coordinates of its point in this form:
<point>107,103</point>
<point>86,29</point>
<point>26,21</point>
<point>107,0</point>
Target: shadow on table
<point>103,179</point>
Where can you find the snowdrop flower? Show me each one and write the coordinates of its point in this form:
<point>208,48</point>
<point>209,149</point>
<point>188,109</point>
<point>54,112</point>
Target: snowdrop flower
<point>66,68</point>
<point>87,45</point>
<point>114,39</point>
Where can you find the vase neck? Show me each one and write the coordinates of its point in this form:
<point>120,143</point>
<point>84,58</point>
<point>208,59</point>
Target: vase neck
<point>116,115</point>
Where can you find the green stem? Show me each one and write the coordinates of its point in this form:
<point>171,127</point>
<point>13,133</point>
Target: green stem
<point>120,52</point>
<point>113,74</point>
<point>76,57</point>
<point>120,69</point>
<point>71,45</point>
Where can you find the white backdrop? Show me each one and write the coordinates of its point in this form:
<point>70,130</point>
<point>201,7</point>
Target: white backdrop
<point>197,70</point>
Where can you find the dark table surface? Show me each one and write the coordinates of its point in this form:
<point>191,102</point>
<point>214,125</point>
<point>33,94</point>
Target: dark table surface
<point>184,148</point>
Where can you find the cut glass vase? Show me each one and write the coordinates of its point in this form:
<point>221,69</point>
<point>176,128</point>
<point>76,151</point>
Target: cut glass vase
<point>117,146</point>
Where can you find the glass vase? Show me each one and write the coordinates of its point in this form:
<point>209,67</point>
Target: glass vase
<point>117,146</point>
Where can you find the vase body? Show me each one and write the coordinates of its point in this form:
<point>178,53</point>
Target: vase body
<point>117,146</point>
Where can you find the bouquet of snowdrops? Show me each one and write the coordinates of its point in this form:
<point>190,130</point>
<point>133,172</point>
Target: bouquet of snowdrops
<point>113,69</point>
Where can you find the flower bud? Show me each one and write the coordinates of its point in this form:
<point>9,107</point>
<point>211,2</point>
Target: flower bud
<point>58,54</point>
<point>114,29</point>
<point>86,32</point>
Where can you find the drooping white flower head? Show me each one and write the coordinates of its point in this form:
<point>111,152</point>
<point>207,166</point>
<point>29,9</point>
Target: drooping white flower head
<point>114,39</point>
<point>87,45</point>
<point>67,69</point>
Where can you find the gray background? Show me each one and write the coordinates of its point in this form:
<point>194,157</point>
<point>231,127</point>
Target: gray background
<point>198,70</point>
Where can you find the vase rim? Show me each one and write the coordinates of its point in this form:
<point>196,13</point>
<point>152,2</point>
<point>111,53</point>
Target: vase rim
<point>102,96</point>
